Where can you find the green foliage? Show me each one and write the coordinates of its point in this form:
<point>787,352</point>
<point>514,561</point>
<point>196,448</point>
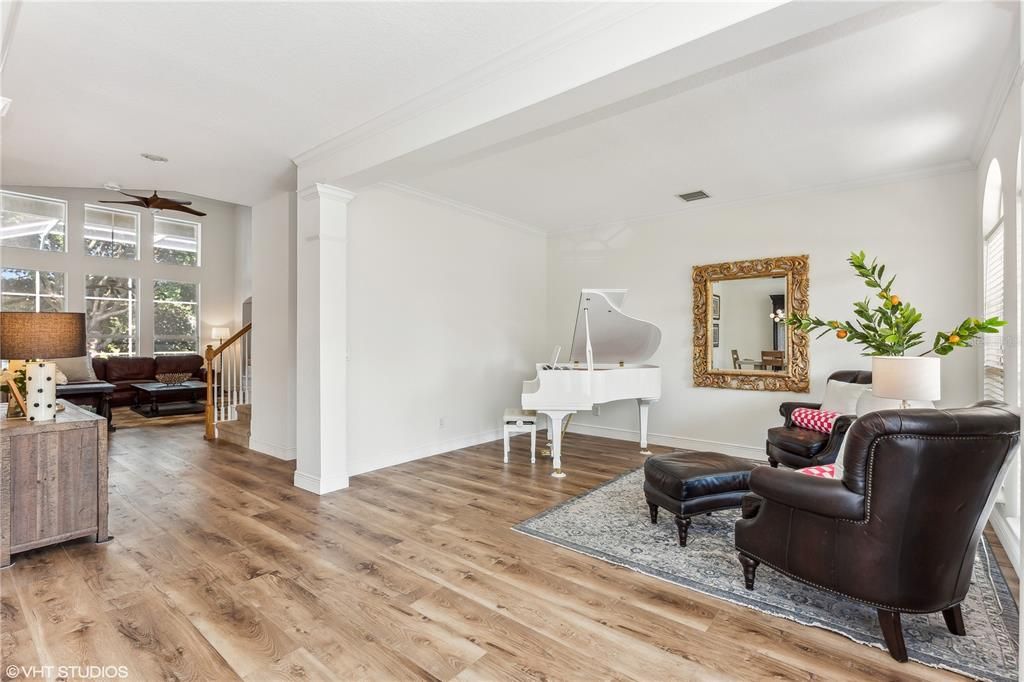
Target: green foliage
<point>886,325</point>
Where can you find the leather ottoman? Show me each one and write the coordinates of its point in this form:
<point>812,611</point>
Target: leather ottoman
<point>687,483</point>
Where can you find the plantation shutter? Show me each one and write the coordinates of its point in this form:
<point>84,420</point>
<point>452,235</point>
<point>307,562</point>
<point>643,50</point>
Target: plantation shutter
<point>994,370</point>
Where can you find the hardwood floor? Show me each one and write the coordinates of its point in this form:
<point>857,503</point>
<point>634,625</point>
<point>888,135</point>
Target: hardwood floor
<point>220,569</point>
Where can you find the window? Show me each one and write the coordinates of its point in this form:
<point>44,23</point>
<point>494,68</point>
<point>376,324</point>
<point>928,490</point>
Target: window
<point>31,291</point>
<point>175,317</point>
<point>112,233</point>
<point>31,222</point>
<point>992,230</point>
<point>175,241</point>
<point>112,315</point>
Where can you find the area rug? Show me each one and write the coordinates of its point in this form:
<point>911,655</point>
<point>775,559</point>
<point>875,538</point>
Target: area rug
<point>611,522</point>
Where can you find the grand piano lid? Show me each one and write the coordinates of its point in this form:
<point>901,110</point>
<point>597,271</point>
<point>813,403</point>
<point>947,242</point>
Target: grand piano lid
<point>614,336</point>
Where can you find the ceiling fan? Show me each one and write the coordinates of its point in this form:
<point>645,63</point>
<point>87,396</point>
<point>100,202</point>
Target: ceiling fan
<point>156,203</point>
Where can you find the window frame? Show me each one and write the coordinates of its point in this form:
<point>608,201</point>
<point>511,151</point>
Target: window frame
<point>37,296</point>
<point>180,221</point>
<point>134,314</point>
<point>138,231</point>
<point>41,198</point>
<point>990,226</point>
<point>196,303</point>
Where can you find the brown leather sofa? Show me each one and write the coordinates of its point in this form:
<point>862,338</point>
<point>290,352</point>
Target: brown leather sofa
<point>796,447</point>
<point>900,531</point>
<point>122,372</point>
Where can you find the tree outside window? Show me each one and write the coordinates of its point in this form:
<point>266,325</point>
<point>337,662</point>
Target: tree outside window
<point>111,315</point>
<point>175,317</point>
<point>31,291</point>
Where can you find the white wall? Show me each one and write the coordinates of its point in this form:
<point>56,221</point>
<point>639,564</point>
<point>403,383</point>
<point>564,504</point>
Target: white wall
<point>273,326</point>
<point>216,277</point>
<point>243,261</point>
<point>446,319</point>
<point>923,229</point>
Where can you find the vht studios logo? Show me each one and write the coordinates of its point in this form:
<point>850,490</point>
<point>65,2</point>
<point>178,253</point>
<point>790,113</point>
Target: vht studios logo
<point>64,672</point>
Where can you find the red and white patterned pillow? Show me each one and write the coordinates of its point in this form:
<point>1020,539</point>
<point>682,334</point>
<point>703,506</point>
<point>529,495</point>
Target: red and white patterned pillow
<point>815,420</point>
<point>823,471</point>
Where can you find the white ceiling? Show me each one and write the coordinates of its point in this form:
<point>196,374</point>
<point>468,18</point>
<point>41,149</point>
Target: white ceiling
<point>905,94</point>
<point>230,92</point>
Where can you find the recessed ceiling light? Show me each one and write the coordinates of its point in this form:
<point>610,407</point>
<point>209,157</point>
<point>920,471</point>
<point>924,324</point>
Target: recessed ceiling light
<point>155,158</point>
<point>694,196</point>
<point>112,186</point>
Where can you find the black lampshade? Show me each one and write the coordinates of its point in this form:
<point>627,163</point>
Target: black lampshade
<point>41,336</point>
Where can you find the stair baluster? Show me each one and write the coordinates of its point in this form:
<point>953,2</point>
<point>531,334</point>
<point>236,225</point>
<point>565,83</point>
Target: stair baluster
<point>227,380</point>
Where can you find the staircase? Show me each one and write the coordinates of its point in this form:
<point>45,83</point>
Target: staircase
<point>236,430</point>
<point>229,388</point>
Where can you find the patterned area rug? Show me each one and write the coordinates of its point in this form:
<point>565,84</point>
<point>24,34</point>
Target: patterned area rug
<point>611,523</point>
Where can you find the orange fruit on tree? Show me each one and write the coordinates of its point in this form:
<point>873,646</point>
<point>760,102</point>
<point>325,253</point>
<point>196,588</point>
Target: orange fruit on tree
<point>841,334</point>
<point>954,339</point>
<point>894,299</point>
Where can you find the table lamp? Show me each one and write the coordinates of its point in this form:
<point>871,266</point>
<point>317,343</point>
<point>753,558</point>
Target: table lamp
<point>34,337</point>
<point>906,379</point>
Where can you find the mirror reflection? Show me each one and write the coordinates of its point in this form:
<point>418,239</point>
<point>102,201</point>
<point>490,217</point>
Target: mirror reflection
<point>748,329</point>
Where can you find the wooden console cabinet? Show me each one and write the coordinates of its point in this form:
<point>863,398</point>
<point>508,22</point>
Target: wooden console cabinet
<point>53,480</point>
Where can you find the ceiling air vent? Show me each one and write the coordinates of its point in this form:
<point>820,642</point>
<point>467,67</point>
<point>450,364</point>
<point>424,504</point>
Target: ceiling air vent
<point>695,196</point>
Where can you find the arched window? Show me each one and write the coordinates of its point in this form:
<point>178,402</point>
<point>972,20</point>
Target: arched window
<point>992,223</point>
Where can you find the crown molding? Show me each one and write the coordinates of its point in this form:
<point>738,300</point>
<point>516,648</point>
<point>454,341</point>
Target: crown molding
<point>463,208</point>
<point>884,179</point>
<point>587,22</point>
<point>319,190</point>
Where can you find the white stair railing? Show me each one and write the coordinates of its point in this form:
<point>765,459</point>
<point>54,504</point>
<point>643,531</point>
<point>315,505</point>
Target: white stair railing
<point>228,379</point>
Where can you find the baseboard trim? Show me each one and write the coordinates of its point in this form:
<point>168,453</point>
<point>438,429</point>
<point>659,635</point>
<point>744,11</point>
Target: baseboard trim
<point>1006,538</point>
<point>671,441</point>
<point>274,450</point>
<point>320,486</point>
<point>442,447</point>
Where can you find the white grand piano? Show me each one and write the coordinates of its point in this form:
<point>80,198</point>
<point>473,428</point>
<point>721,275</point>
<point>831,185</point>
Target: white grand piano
<point>605,365</point>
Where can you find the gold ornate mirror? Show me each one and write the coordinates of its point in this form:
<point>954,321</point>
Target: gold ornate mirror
<point>740,338</point>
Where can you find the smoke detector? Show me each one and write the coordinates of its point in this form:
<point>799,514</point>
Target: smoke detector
<point>694,196</point>
<point>155,158</point>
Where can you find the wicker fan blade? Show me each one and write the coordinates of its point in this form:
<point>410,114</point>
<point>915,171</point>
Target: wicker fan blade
<point>130,203</point>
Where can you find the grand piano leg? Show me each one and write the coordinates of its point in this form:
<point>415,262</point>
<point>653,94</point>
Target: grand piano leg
<point>555,420</point>
<point>644,406</point>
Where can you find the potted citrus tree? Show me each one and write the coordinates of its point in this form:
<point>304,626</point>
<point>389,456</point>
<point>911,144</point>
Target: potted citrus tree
<point>886,327</point>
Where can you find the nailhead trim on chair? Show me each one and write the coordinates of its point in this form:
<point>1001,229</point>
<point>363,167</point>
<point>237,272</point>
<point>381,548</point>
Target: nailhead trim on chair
<point>867,517</point>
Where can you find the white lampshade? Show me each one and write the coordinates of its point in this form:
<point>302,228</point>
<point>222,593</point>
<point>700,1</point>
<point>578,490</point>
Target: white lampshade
<point>220,332</point>
<point>906,378</point>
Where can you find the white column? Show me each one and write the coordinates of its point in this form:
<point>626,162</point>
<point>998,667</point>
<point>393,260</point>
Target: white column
<point>321,339</point>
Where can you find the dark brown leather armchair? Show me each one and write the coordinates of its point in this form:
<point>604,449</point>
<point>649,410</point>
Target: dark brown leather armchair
<point>798,448</point>
<point>900,531</point>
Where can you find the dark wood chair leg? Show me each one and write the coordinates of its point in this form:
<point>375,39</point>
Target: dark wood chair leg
<point>654,512</point>
<point>955,620</point>
<point>892,631</point>
<point>773,463</point>
<point>749,569</point>
<point>683,526</point>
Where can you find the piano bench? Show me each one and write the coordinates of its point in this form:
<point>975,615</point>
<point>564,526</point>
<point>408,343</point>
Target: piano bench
<point>521,421</point>
<point>687,483</point>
